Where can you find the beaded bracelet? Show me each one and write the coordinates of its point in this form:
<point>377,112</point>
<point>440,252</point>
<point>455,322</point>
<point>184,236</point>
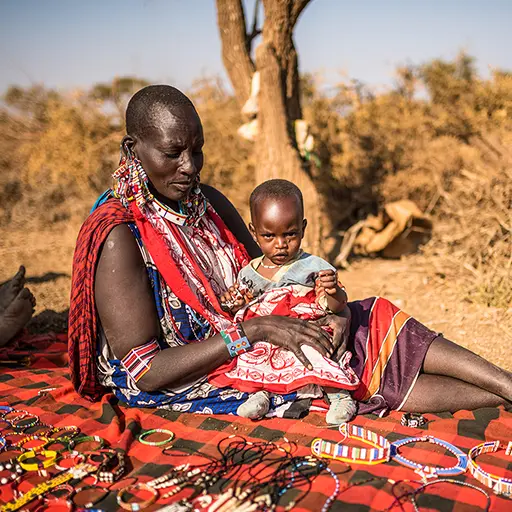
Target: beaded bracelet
<point>26,439</point>
<point>142,437</point>
<point>413,419</point>
<point>4,409</point>
<point>36,466</point>
<point>423,470</point>
<point>33,420</point>
<point>376,455</point>
<point>498,484</point>
<point>80,457</point>
<point>71,432</point>
<point>142,504</point>
<point>62,487</point>
<point>236,340</point>
<point>85,439</point>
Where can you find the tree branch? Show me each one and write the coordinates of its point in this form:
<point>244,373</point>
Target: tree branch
<point>235,52</point>
<point>297,8</point>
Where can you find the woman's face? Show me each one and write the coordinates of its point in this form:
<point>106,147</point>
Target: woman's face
<point>171,152</point>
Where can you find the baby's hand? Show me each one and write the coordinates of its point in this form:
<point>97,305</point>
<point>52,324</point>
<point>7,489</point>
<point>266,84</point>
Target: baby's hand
<point>326,282</point>
<point>235,299</point>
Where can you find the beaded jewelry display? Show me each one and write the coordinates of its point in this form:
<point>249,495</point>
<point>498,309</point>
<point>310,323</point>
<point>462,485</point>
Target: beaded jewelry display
<point>236,340</point>
<point>423,470</point>
<point>141,504</point>
<point>142,437</point>
<point>498,484</point>
<point>376,455</point>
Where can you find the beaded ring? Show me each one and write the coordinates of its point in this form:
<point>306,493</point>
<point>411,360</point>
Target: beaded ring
<point>376,455</point>
<point>140,505</point>
<point>142,437</point>
<point>84,439</point>
<point>498,484</point>
<point>36,466</point>
<point>430,471</point>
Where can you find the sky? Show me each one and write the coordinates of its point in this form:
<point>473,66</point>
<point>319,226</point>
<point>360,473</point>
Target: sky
<point>75,43</point>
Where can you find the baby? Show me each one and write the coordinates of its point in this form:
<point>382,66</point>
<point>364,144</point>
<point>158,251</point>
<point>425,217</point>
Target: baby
<point>278,225</point>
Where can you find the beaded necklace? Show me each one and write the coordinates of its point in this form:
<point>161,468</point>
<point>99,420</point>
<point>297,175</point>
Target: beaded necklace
<point>498,484</point>
<point>376,455</point>
<point>424,470</point>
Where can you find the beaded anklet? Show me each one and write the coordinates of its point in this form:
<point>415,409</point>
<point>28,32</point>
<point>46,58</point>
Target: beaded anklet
<point>498,484</point>
<point>376,455</point>
<point>423,470</point>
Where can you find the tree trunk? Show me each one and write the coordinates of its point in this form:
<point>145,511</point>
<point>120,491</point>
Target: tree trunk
<point>278,102</point>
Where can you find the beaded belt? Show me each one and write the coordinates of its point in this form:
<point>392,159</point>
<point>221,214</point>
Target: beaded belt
<point>498,484</point>
<point>430,471</point>
<point>379,453</point>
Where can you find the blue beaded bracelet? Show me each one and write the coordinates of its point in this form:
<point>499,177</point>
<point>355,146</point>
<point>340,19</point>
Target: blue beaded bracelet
<point>236,340</point>
<point>423,470</point>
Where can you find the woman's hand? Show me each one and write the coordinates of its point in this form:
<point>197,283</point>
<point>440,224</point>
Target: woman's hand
<point>340,326</point>
<point>291,334</point>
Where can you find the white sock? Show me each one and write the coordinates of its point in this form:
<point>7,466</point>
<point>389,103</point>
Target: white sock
<point>256,406</point>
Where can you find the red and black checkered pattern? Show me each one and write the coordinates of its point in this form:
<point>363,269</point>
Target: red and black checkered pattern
<point>120,426</point>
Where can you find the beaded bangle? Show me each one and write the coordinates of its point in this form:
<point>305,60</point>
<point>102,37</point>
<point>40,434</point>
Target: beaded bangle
<point>376,455</point>
<point>140,505</point>
<point>26,439</point>
<point>413,419</point>
<point>236,340</point>
<point>423,470</point>
<point>71,432</point>
<point>17,415</point>
<point>142,437</point>
<point>79,456</point>
<point>36,466</point>
<point>62,487</point>
<point>85,439</point>
<point>498,484</point>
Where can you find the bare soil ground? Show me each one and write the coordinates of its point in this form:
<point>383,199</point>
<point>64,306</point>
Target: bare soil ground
<point>411,283</point>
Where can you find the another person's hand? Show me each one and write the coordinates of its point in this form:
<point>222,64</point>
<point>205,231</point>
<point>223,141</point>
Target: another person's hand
<point>340,327</point>
<point>291,334</point>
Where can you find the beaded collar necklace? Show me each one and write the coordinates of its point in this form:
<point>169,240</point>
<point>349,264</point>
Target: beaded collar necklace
<point>378,453</point>
<point>423,470</point>
<point>497,483</point>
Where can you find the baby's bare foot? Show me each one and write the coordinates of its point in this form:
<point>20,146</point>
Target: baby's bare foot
<point>10,289</point>
<point>16,315</point>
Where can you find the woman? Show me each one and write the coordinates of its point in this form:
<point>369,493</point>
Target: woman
<point>145,322</point>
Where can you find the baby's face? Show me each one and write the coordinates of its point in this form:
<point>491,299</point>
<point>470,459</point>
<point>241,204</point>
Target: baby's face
<point>278,228</point>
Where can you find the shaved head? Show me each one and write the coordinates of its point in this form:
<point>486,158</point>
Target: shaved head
<point>275,190</point>
<point>151,105</point>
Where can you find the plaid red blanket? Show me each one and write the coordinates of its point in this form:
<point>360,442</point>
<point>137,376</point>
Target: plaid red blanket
<point>20,387</point>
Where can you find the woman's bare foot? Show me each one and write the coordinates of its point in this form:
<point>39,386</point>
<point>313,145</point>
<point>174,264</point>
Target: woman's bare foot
<point>16,315</point>
<point>10,289</point>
